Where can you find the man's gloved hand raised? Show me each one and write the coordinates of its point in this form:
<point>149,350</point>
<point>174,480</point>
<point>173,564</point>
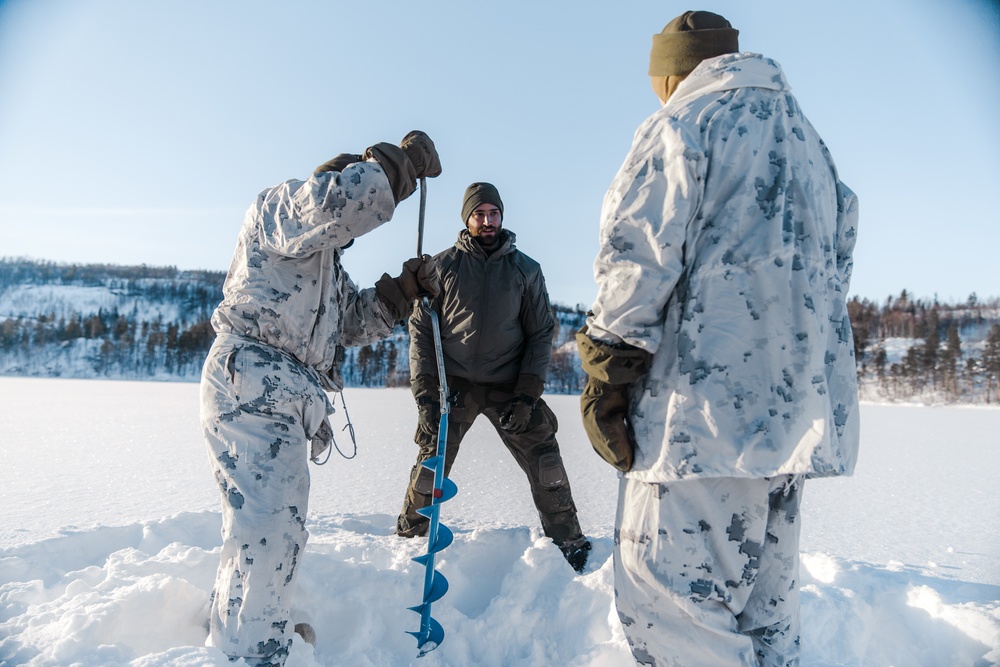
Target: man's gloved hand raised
<point>419,277</point>
<point>604,403</point>
<point>420,150</point>
<point>414,158</point>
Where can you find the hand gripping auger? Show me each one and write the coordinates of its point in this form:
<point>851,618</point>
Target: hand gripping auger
<point>439,536</point>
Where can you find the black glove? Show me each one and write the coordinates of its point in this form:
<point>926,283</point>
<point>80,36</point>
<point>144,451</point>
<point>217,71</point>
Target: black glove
<point>420,149</point>
<point>604,403</point>
<point>417,278</point>
<point>517,414</point>
<point>339,163</point>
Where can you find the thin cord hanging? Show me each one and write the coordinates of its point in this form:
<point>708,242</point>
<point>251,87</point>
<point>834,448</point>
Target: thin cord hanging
<point>349,427</point>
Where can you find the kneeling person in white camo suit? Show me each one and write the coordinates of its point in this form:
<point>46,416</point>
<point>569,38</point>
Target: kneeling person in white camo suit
<point>288,310</point>
<point>719,352</point>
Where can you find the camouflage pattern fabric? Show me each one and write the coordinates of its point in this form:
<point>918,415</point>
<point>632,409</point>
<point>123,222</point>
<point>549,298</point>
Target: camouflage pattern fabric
<point>259,409</point>
<point>289,309</point>
<point>726,252</point>
<point>706,571</point>
<point>286,286</point>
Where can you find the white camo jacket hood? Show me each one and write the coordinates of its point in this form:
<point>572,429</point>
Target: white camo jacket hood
<point>732,271</point>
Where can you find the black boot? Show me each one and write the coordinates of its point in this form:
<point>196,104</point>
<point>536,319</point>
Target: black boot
<point>404,528</point>
<point>576,553</point>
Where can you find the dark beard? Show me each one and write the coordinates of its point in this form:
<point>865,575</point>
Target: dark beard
<point>489,245</point>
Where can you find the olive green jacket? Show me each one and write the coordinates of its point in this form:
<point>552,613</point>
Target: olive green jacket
<point>496,321</point>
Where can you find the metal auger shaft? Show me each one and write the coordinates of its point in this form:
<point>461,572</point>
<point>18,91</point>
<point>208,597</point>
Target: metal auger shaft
<point>431,634</point>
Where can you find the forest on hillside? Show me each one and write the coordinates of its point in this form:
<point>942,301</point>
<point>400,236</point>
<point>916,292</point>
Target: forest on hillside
<point>153,323</point>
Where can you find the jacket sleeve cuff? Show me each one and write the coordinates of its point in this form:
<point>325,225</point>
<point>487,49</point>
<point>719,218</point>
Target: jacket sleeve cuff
<point>529,385</point>
<point>398,169</point>
<point>424,386</point>
<point>616,364</point>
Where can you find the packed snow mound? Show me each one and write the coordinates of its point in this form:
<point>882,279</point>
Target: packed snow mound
<point>111,533</point>
<point>138,595</point>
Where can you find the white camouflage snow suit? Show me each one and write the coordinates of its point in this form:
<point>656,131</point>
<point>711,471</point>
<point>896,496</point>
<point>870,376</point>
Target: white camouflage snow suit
<point>288,310</point>
<point>726,253</point>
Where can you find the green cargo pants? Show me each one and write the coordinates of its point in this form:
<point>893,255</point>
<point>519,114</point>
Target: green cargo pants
<point>535,450</point>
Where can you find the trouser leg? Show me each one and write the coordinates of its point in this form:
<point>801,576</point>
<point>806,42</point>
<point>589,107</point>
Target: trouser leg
<point>771,616</point>
<point>258,450</point>
<point>537,453</point>
<point>698,563</point>
<point>421,487</point>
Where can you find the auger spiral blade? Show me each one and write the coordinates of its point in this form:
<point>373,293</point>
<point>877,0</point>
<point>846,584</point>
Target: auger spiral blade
<point>432,639</point>
<point>439,536</point>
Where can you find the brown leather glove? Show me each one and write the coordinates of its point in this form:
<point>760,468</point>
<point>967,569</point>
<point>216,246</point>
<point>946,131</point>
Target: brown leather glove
<point>414,158</point>
<point>604,403</point>
<point>605,419</point>
<point>420,149</point>
<point>417,278</point>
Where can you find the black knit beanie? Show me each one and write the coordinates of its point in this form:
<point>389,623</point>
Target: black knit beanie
<point>689,39</point>
<point>480,193</point>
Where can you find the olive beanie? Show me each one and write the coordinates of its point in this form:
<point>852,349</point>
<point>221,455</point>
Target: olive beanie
<point>689,39</point>
<point>480,193</point>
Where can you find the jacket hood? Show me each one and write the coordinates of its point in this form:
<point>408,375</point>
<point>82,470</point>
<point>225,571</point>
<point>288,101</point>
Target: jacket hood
<point>467,243</point>
<point>727,72</point>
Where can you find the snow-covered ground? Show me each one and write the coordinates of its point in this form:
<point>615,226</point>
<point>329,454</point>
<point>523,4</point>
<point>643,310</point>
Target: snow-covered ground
<point>110,530</point>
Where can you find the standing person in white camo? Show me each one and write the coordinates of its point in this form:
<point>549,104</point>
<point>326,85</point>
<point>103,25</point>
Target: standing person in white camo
<point>719,352</point>
<point>288,310</point>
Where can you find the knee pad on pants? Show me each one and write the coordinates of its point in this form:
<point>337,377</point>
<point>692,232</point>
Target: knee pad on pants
<point>551,473</point>
<point>425,481</point>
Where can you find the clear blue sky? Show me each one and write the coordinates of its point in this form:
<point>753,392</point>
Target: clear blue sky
<point>139,132</point>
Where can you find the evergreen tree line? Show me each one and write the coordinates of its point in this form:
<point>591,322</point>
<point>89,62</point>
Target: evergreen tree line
<point>906,348</point>
<point>44,333</point>
<point>911,348</point>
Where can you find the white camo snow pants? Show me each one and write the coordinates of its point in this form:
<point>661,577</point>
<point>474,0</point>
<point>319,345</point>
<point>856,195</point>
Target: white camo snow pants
<point>706,571</point>
<point>258,408</point>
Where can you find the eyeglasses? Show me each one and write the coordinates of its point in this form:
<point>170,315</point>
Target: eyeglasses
<point>480,216</point>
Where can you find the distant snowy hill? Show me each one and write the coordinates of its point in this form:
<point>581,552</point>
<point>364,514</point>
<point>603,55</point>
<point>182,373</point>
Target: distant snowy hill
<point>105,321</point>
<point>146,323</point>
<point>152,323</point>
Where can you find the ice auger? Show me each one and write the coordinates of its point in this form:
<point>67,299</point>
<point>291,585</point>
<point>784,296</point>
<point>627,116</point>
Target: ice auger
<point>439,536</point>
